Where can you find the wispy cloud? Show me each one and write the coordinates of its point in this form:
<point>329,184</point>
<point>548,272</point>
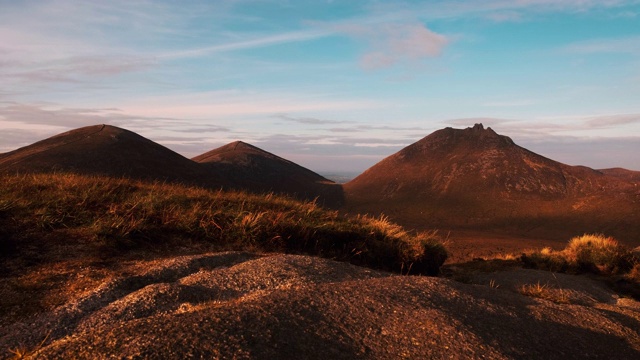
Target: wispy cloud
<point>26,123</point>
<point>43,114</point>
<point>467,8</point>
<point>504,16</point>
<point>486,121</point>
<point>603,152</point>
<point>627,14</point>
<point>509,103</point>
<point>629,45</point>
<point>263,41</point>
<point>392,43</point>
<point>589,123</point>
<point>310,120</point>
<point>367,128</point>
<point>605,121</point>
<point>235,103</point>
<point>333,144</point>
<point>76,69</point>
<point>493,10</point>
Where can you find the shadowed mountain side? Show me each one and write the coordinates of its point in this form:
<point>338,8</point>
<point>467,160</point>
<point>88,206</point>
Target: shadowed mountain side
<point>477,179</point>
<point>106,150</point>
<point>247,167</point>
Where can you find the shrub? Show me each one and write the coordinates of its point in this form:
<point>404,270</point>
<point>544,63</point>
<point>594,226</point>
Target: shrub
<point>634,273</point>
<point>598,254</point>
<point>593,253</point>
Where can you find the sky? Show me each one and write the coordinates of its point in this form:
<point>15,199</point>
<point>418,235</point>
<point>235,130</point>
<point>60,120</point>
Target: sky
<point>332,85</point>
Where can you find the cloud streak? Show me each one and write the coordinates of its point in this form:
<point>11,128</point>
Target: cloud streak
<point>606,121</point>
<point>367,128</point>
<point>235,103</point>
<point>76,69</point>
<point>283,38</point>
<point>628,45</point>
<point>310,120</point>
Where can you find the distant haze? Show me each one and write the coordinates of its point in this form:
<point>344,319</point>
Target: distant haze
<point>332,85</point>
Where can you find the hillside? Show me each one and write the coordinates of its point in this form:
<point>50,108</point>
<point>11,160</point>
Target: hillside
<point>246,167</point>
<point>477,179</point>
<point>105,150</point>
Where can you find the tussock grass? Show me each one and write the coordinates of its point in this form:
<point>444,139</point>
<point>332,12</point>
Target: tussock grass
<point>589,253</point>
<point>598,253</point>
<point>47,216</point>
<point>593,254</point>
<point>545,291</point>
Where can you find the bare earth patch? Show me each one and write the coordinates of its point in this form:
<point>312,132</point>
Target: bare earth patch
<point>241,305</point>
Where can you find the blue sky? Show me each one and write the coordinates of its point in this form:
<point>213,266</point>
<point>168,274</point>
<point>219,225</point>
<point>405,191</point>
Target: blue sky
<point>332,85</point>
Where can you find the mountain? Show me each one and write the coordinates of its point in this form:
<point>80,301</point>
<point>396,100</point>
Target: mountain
<point>112,151</point>
<point>244,166</point>
<point>474,178</point>
<point>105,150</point>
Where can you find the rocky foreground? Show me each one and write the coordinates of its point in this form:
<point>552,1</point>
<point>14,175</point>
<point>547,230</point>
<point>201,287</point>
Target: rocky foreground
<point>240,305</point>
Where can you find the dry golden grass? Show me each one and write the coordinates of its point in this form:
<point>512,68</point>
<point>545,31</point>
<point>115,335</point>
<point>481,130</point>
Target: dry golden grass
<point>545,291</point>
<point>634,273</point>
<point>22,352</point>
<point>58,216</point>
<point>594,254</point>
<point>589,253</point>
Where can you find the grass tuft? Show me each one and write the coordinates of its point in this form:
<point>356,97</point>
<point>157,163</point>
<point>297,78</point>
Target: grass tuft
<point>544,291</point>
<point>22,352</point>
<point>589,253</point>
<point>593,254</point>
<point>597,253</point>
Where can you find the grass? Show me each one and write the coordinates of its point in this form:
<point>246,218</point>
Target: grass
<point>589,253</point>
<point>545,291</point>
<point>22,352</point>
<point>593,254</point>
<point>46,217</point>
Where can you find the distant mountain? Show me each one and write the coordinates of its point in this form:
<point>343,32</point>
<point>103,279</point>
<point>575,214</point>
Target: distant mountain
<point>105,150</point>
<point>244,166</point>
<point>477,179</point>
<point>112,151</point>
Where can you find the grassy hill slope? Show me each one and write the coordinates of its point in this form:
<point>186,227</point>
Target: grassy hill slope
<point>50,216</point>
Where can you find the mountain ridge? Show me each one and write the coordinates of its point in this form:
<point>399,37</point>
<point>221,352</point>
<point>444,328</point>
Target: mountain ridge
<point>474,177</point>
<point>113,151</point>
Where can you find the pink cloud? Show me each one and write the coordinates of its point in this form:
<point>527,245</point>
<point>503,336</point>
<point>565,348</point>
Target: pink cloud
<point>394,43</point>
